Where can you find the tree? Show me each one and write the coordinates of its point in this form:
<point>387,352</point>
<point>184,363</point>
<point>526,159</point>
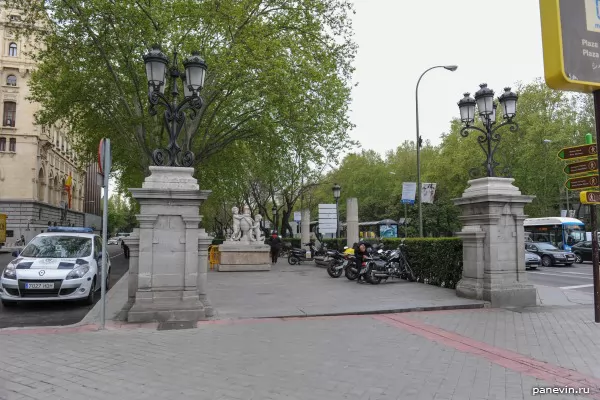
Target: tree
<point>279,71</point>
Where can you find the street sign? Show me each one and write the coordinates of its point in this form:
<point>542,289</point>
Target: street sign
<point>409,191</point>
<point>297,216</point>
<point>585,182</point>
<point>327,218</point>
<point>581,167</point>
<point>571,38</point>
<point>586,150</point>
<point>589,197</point>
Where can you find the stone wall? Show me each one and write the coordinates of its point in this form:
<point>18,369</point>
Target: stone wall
<point>29,218</point>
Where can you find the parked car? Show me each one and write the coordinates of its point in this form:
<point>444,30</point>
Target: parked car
<point>550,254</point>
<point>112,240</point>
<point>582,251</point>
<point>532,260</point>
<point>65,263</point>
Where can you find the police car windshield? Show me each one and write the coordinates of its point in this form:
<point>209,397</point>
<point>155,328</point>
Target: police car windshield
<point>58,247</point>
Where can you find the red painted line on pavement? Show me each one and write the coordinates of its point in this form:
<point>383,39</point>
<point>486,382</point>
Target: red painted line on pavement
<point>505,358</point>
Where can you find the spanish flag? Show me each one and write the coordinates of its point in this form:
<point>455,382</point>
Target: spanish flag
<point>68,185</point>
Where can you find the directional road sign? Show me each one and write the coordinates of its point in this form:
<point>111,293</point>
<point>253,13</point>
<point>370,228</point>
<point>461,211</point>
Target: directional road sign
<point>570,153</point>
<point>581,167</point>
<point>589,197</point>
<point>585,182</point>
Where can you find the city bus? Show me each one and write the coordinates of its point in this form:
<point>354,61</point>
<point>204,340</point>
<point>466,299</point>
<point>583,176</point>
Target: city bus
<point>562,232</point>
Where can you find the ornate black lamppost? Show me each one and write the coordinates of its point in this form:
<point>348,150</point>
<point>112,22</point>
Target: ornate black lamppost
<point>336,195</point>
<point>489,138</point>
<point>174,117</point>
<point>274,211</point>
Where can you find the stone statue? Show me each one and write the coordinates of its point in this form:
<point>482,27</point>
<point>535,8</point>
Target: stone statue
<point>258,234</point>
<point>246,229</point>
<point>237,234</point>
<point>246,225</point>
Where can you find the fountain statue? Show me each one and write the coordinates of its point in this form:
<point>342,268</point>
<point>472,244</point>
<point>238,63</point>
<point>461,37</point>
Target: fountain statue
<point>245,249</point>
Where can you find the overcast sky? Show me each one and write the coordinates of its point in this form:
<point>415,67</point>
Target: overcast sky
<point>491,41</point>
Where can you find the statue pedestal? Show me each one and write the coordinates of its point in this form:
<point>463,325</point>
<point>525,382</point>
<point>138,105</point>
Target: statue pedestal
<point>171,269</point>
<point>236,256</point>
<point>494,244</point>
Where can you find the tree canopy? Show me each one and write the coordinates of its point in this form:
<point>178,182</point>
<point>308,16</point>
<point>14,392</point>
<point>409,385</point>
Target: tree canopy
<point>278,79</point>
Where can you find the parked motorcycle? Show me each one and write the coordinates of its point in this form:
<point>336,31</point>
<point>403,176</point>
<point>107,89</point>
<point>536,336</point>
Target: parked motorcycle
<point>339,263</point>
<point>396,266</point>
<point>297,256</point>
<point>354,268</point>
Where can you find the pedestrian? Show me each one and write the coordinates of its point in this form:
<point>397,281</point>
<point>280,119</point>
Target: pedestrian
<point>125,249</point>
<point>275,243</point>
<point>360,253</point>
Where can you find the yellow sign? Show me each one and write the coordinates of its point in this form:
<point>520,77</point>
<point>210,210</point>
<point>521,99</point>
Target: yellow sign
<point>2,228</point>
<point>589,197</point>
<point>571,42</point>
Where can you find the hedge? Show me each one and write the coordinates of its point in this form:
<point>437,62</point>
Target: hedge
<point>434,261</point>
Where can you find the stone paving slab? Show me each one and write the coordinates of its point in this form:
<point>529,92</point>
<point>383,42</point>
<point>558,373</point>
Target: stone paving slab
<point>352,358</point>
<point>307,290</point>
<point>564,336</point>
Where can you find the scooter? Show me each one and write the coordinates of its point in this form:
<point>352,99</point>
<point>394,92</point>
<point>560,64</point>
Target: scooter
<point>297,256</point>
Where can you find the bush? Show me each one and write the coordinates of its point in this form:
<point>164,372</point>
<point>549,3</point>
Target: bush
<point>217,242</point>
<point>435,261</point>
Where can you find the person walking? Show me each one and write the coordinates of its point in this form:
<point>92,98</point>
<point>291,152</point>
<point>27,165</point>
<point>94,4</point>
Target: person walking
<point>275,243</point>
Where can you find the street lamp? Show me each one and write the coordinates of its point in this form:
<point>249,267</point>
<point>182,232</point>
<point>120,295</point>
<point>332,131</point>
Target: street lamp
<point>484,100</point>
<point>192,80</point>
<point>420,140</point>
<point>274,210</point>
<point>336,195</point>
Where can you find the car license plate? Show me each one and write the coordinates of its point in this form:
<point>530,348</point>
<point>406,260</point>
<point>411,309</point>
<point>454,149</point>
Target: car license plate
<point>39,285</point>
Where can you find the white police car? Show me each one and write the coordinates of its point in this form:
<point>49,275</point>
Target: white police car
<point>64,263</point>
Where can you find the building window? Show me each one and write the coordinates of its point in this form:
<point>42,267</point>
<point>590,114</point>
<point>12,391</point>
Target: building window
<point>12,49</point>
<point>12,145</point>
<point>10,110</point>
<point>2,144</point>
<point>11,80</point>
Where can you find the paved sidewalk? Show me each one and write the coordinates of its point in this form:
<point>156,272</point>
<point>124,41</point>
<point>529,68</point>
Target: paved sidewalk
<point>392,356</point>
<point>307,290</point>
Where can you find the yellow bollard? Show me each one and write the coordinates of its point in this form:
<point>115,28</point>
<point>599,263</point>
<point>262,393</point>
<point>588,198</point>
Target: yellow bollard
<point>214,256</point>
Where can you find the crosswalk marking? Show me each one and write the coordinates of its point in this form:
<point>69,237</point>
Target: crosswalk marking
<point>576,287</point>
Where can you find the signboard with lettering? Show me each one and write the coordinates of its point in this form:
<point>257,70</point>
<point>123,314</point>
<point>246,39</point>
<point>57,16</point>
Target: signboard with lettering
<point>585,182</point>
<point>571,42</point>
<point>586,150</point>
<point>2,228</point>
<point>581,167</point>
<point>589,197</point>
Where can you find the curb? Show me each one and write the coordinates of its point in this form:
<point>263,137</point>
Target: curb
<point>375,312</point>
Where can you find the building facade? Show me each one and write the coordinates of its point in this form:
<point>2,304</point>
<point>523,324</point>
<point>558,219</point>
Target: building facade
<point>39,172</point>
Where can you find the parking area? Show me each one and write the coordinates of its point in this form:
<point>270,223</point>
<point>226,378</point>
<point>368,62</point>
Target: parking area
<point>55,313</point>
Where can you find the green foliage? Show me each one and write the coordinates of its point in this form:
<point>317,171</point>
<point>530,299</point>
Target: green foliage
<point>278,80</point>
<point>121,215</point>
<point>435,261</point>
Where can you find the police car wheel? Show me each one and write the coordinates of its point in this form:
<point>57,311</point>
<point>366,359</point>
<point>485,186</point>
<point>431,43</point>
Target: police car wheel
<point>89,300</point>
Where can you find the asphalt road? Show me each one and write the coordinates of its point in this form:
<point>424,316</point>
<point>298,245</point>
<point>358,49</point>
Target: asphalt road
<point>576,277</point>
<point>56,313</point>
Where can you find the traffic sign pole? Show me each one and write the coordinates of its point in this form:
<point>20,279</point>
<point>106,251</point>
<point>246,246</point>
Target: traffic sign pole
<point>595,255</point>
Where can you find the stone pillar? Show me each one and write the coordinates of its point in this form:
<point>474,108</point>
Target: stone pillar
<point>352,221</point>
<point>494,244</point>
<point>305,236</point>
<point>133,242</point>
<point>204,241</point>
<point>168,265</point>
